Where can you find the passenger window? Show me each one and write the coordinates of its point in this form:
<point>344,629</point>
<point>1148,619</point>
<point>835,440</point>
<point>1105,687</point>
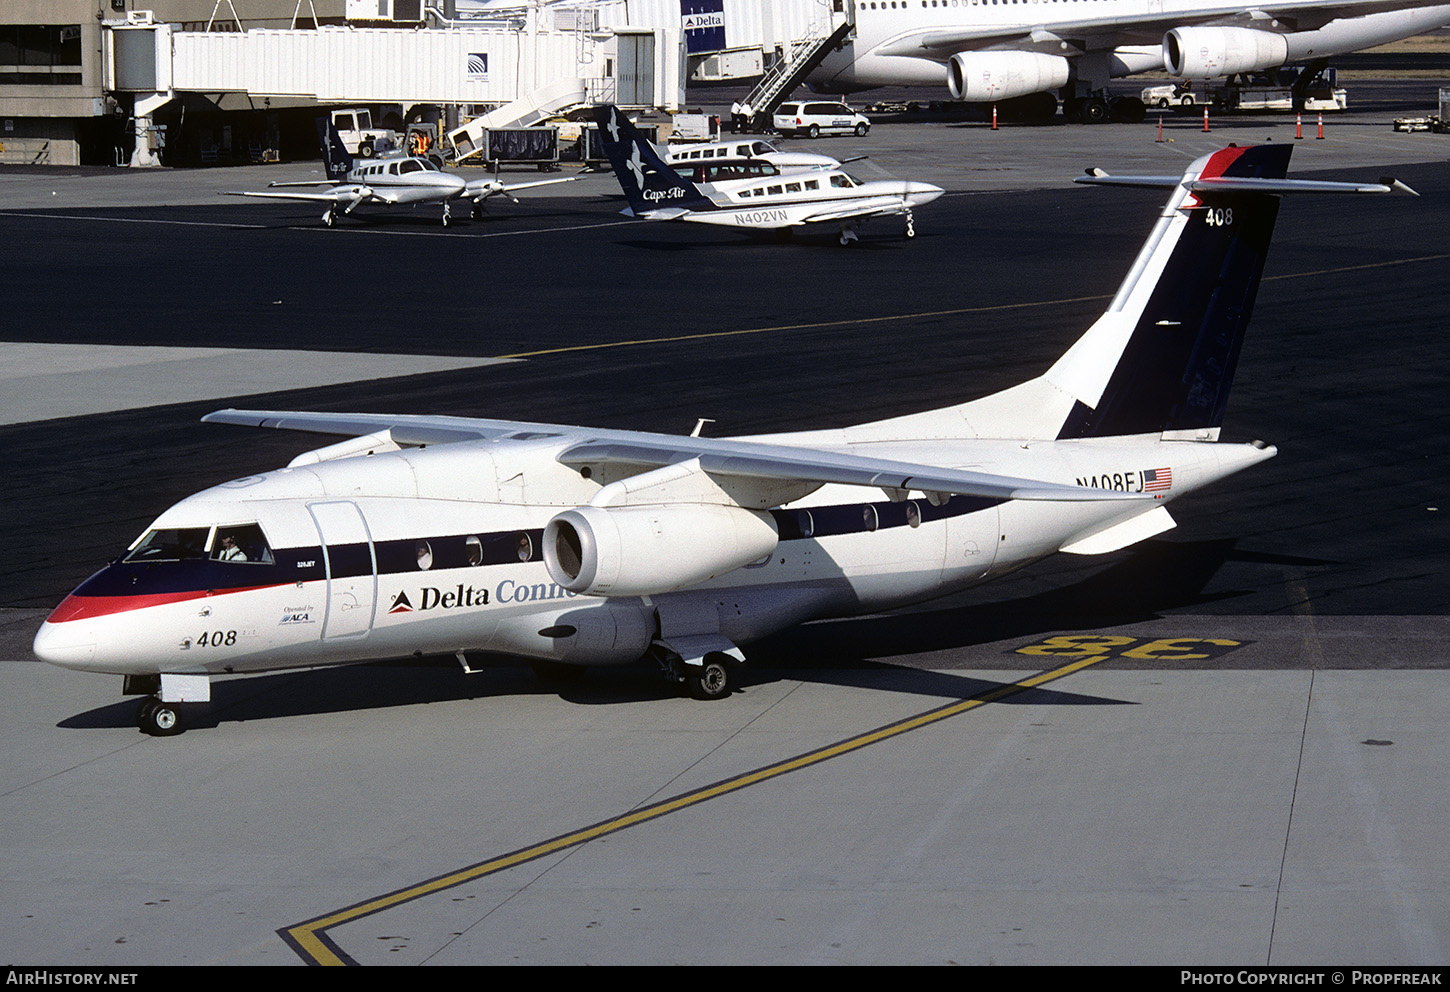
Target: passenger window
<point>792,187</point>
<point>475,550</point>
<point>241,543</point>
<point>423,551</point>
<point>526,548</point>
<point>773,190</point>
<point>813,184</point>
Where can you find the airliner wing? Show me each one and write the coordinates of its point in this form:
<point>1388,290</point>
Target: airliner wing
<point>940,44</point>
<point>642,451</point>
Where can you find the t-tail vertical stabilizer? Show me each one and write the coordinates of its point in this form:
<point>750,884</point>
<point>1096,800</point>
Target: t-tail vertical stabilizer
<point>1161,360</point>
<point>653,189</point>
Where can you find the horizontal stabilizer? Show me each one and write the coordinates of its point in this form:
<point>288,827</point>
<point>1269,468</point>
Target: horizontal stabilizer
<point>1243,184</point>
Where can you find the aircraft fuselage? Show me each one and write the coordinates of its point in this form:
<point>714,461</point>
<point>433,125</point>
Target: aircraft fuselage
<point>438,550</point>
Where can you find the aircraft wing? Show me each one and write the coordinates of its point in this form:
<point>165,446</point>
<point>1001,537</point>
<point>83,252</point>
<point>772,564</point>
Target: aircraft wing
<point>940,44</point>
<point>347,196</point>
<point>881,206</point>
<point>492,187</point>
<point>643,451</point>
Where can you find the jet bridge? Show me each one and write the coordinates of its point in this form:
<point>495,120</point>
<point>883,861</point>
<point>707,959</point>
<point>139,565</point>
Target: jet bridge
<point>533,67</point>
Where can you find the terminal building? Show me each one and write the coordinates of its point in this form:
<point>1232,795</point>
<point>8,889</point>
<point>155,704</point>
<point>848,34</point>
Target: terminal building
<point>195,82</point>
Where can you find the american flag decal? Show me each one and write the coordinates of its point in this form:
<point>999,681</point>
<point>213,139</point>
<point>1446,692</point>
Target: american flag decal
<point>1157,480</point>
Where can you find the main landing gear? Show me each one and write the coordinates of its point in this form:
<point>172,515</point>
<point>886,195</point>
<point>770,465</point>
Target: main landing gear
<point>713,677</point>
<point>1098,109</point>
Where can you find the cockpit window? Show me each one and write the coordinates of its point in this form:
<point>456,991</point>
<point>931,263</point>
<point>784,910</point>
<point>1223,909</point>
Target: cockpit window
<point>241,543</point>
<point>170,544</point>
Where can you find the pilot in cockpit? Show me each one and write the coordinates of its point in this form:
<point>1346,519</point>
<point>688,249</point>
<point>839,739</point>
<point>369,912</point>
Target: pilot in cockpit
<point>229,550</point>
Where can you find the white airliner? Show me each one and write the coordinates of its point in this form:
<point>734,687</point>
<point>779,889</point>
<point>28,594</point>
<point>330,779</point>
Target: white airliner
<point>576,546</point>
<point>988,51</point>
<point>780,203</point>
<point>401,180</point>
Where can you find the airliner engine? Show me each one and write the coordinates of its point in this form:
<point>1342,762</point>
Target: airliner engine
<point>985,77</point>
<point>644,550</point>
<point>1205,53</point>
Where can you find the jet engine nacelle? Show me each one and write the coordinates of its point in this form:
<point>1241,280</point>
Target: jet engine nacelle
<point>645,550</point>
<point>985,77</point>
<point>1204,53</point>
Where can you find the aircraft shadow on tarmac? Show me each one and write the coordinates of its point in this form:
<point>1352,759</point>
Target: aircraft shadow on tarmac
<point>1155,576</point>
<point>386,685</point>
<point>1150,579</point>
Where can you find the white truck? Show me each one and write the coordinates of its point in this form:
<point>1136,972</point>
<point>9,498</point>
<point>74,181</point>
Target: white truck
<point>355,127</point>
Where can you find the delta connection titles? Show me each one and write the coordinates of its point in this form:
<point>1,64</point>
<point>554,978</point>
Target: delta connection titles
<point>1338,977</point>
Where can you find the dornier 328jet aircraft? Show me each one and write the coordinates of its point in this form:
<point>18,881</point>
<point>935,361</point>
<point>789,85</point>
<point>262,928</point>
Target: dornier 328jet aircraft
<point>655,191</point>
<point>574,546</point>
<point>394,181</point>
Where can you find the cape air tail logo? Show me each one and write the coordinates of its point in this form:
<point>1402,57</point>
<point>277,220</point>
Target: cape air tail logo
<point>636,165</point>
<point>401,604</point>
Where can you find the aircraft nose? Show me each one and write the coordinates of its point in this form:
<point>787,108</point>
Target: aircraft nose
<point>68,645</point>
<point>923,192</point>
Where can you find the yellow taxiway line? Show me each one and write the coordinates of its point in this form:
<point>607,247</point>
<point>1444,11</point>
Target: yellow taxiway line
<point>310,938</point>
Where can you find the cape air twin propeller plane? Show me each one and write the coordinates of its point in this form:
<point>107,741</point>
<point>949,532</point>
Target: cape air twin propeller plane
<point>577,546</point>
<point>394,181</point>
<point>780,203</point>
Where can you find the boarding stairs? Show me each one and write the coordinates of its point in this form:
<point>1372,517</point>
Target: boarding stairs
<point>805,55</point>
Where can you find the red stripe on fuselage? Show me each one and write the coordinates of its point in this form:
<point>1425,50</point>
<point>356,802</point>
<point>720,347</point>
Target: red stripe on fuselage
<point>85,607</point>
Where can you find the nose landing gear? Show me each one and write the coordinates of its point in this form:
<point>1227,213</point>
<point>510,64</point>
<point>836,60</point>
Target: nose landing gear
<point>159,719</point>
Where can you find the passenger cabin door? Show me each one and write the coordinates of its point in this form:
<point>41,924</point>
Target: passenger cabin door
<point>352,579</point>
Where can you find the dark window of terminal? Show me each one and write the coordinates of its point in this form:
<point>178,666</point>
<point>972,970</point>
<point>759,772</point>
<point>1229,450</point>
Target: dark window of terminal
<point>40,44</point>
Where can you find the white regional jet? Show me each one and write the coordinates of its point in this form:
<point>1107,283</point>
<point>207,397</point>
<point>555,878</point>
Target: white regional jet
<point>986,51</point>
<point>400,180</point>
<point>576,546</point>
<point>780,203</point>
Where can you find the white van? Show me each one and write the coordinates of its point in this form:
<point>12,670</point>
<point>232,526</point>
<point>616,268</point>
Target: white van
<point>816,119</point>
